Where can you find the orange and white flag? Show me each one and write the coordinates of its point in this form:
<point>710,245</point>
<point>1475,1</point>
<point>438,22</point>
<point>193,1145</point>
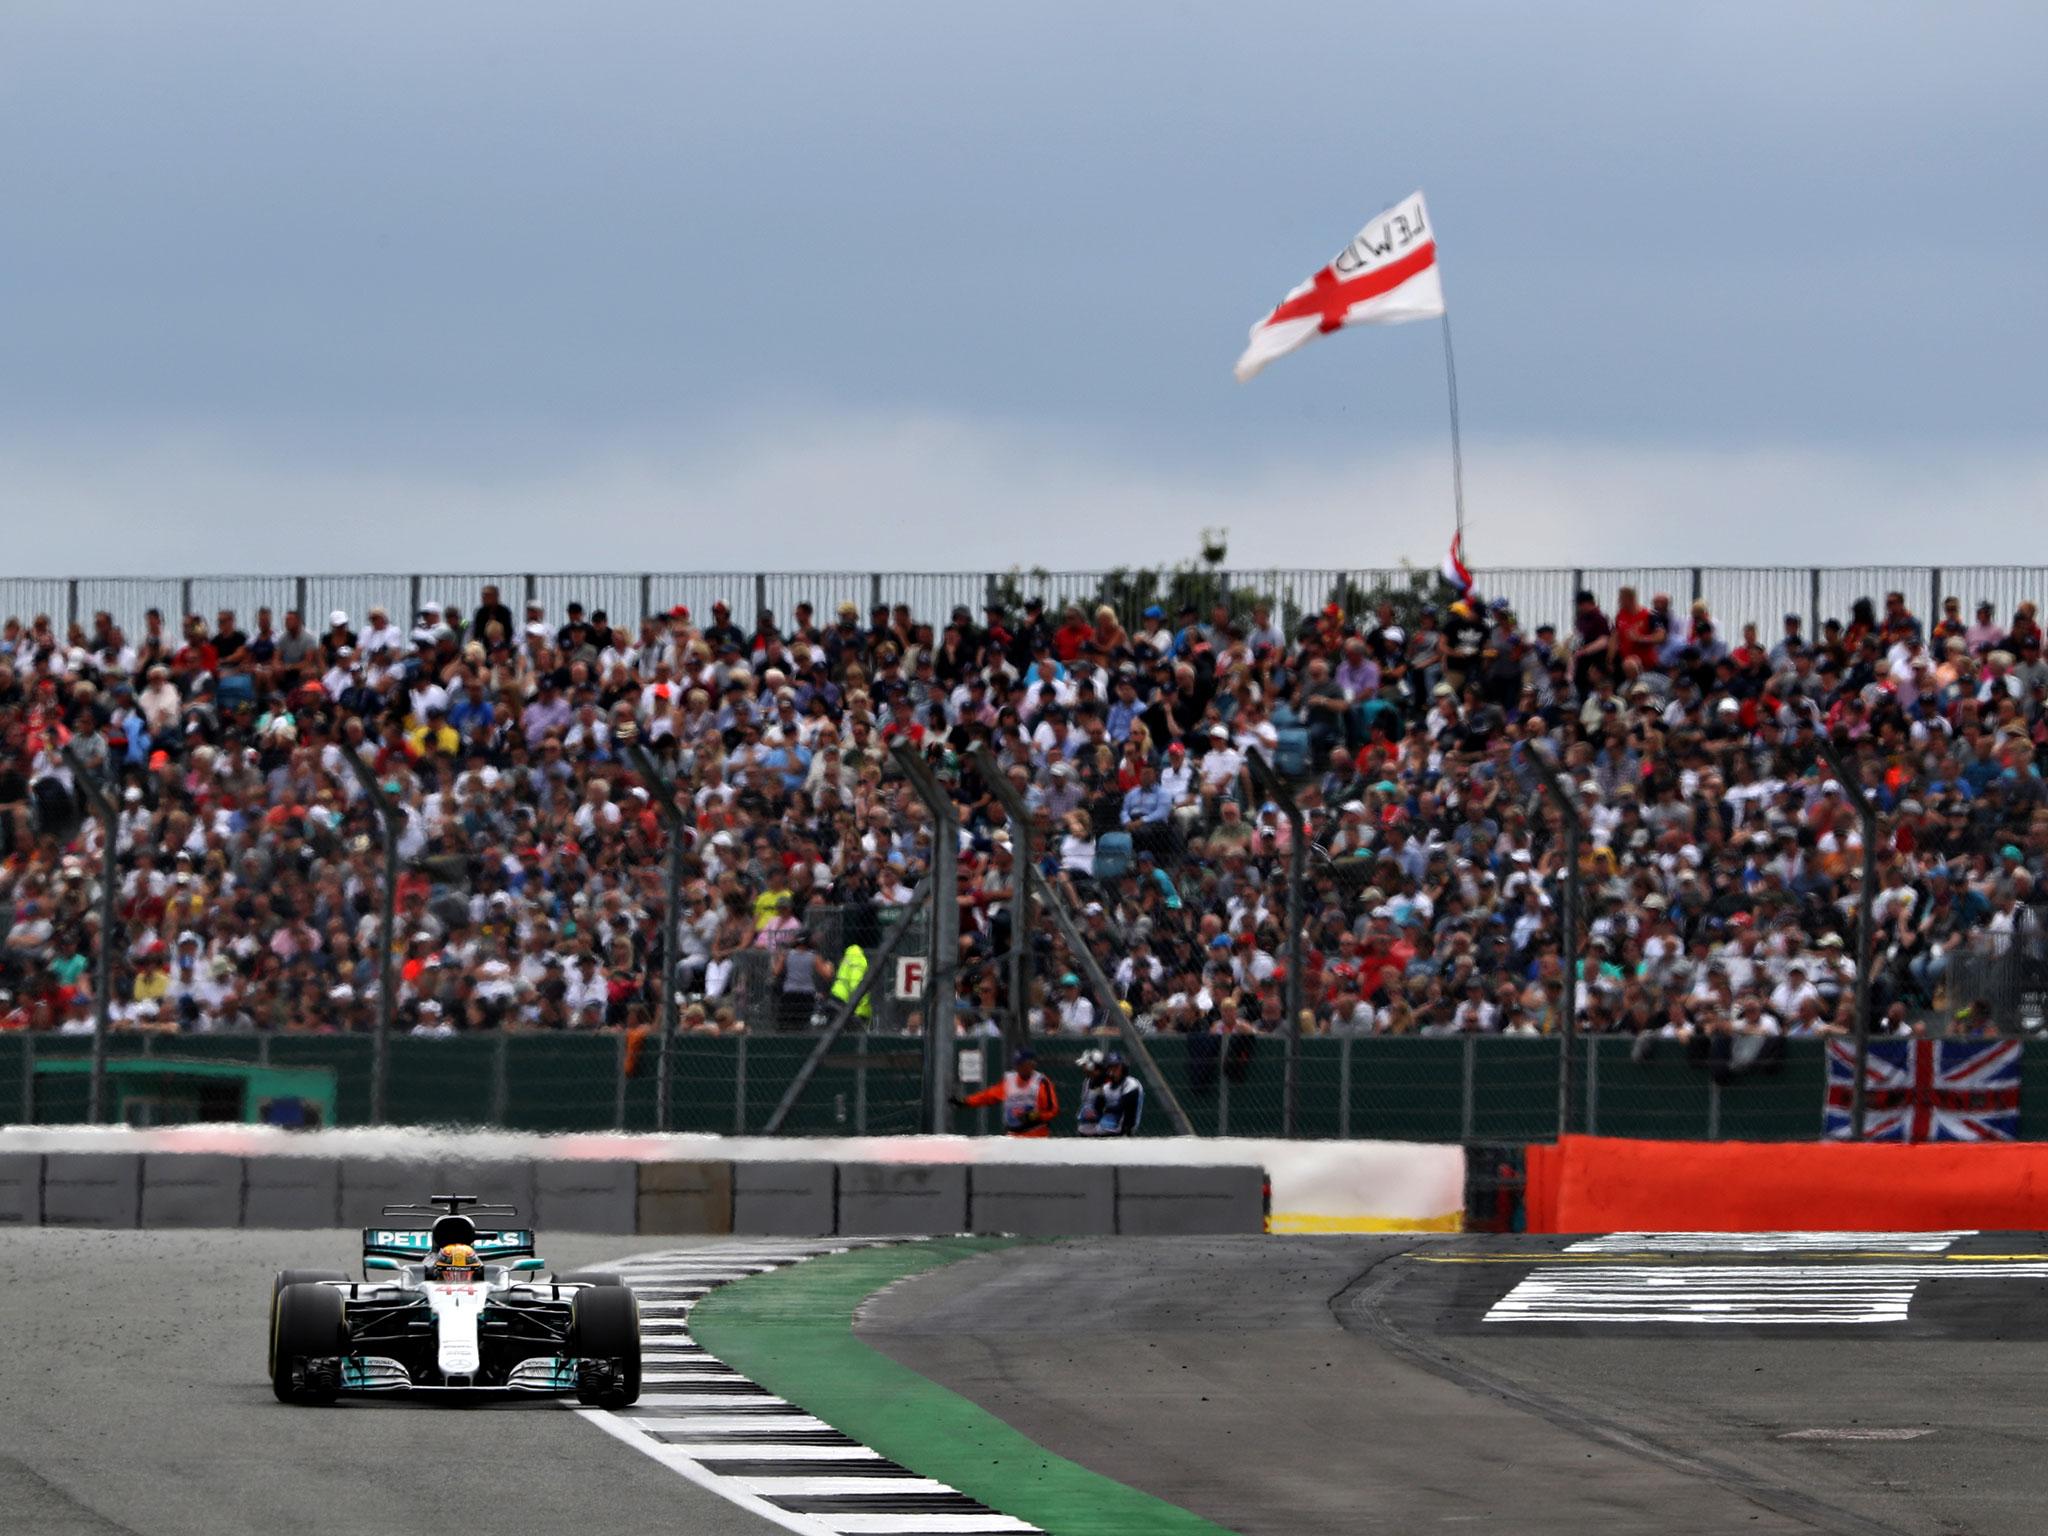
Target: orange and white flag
<point>1386,275</point>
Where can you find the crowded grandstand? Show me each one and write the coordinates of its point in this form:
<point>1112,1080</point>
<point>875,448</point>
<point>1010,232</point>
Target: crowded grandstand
<point>1719,865</point>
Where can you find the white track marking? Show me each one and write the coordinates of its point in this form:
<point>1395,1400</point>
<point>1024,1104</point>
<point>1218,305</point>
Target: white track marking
<point>939,1524</point>
<point>817,1486</point>
<point>812,1455</point>
<point>676,1459</point>
<point>696,1415</point>
<point>1766,1242</point>
<point>727,1425</point>
<point>1855,1292</point>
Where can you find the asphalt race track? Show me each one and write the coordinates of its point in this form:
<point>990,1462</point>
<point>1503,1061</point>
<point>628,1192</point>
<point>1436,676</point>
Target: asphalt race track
<point>1284,1385</point>
<point>1873,1384</point>
<point>133,1399</point>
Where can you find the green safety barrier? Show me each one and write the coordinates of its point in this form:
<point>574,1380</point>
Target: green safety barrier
<point>1405,1089</point>
<point>162,1091</point>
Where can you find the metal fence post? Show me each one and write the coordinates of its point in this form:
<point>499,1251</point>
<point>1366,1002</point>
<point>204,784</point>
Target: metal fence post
<point>1273,789</point>
<point>1344,1087</point>
<point>739,1085</point>
<point>1813,605</point>
<point>675,827</point>
<point>619,1081</point>
<point>760,591</point>
<point>103,960</point>
<point>1866,901</point>
<point>940,1011</point>
<point>393,823</point>
<point>1568,930</point>
<point>1021,855</point>
<point>860,1085</point>
<point>71,602</point>
<point>1468,1109</point>
<point>646,595</point>
<point>1592,1085</point>
<point>1933,602</point>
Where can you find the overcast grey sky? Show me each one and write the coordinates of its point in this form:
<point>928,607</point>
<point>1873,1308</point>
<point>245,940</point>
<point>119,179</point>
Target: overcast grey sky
<point>634,284</point>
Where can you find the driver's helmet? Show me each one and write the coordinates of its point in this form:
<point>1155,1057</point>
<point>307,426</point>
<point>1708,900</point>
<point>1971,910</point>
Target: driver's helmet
<point>457,1263</point>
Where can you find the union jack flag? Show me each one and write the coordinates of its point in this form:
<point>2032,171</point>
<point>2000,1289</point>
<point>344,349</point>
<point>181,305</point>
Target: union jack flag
<point>1927,1090</point>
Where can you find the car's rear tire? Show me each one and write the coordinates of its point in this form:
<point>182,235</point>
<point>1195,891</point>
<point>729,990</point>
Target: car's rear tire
<point>283,1278</point>
<point>604,1324</point>
<point>308,1322</point>
<point>589,1277</point>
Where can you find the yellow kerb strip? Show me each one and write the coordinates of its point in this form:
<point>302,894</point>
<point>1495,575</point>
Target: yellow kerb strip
<point>1304,1222</point>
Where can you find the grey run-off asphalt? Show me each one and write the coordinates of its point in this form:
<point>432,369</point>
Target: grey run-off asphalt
<point>133,1402</point>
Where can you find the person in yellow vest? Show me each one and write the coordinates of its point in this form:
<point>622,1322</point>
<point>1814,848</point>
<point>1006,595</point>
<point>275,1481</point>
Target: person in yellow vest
<point>853,965</point>
<point>432,733</point>
<point>1026,1095</point>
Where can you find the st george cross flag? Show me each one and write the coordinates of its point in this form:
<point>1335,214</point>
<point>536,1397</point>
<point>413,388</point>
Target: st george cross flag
<point>1927,1090</point>
<point>1384,276</point>
<point>1453,568</point>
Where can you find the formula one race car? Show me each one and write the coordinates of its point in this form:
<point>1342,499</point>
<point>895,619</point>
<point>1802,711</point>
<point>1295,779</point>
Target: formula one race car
<point>447,1308</point>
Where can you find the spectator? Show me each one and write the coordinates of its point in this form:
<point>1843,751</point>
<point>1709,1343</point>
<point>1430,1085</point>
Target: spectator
<point>1721,866</point>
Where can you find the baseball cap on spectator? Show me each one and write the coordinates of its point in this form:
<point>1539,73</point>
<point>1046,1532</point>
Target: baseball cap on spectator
<point>337,620</point>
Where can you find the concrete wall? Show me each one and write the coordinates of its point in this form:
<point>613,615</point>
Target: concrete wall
<point>158,1189</point>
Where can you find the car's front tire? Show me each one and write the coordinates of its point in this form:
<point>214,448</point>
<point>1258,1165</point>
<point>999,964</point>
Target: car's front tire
<point>287,1277</point>
<point>604,1326</point>
<point>308,1322</point>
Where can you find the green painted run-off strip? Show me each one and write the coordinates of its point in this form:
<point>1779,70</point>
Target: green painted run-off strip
<point>792,1331</point>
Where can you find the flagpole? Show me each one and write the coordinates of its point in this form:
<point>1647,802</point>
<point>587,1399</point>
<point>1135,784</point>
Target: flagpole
<point>1457,449</point>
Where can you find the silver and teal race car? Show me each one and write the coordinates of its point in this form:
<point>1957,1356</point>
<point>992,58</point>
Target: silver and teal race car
<point>500,1329</point>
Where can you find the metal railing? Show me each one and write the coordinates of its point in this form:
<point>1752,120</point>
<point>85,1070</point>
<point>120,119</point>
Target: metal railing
<point>1735,595</point>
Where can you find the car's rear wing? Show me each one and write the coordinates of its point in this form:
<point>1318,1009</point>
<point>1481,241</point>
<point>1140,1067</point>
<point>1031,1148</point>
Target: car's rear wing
<point>410,1246</point>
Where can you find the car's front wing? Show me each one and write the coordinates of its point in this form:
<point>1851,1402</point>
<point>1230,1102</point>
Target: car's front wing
<point>542,1374</point>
